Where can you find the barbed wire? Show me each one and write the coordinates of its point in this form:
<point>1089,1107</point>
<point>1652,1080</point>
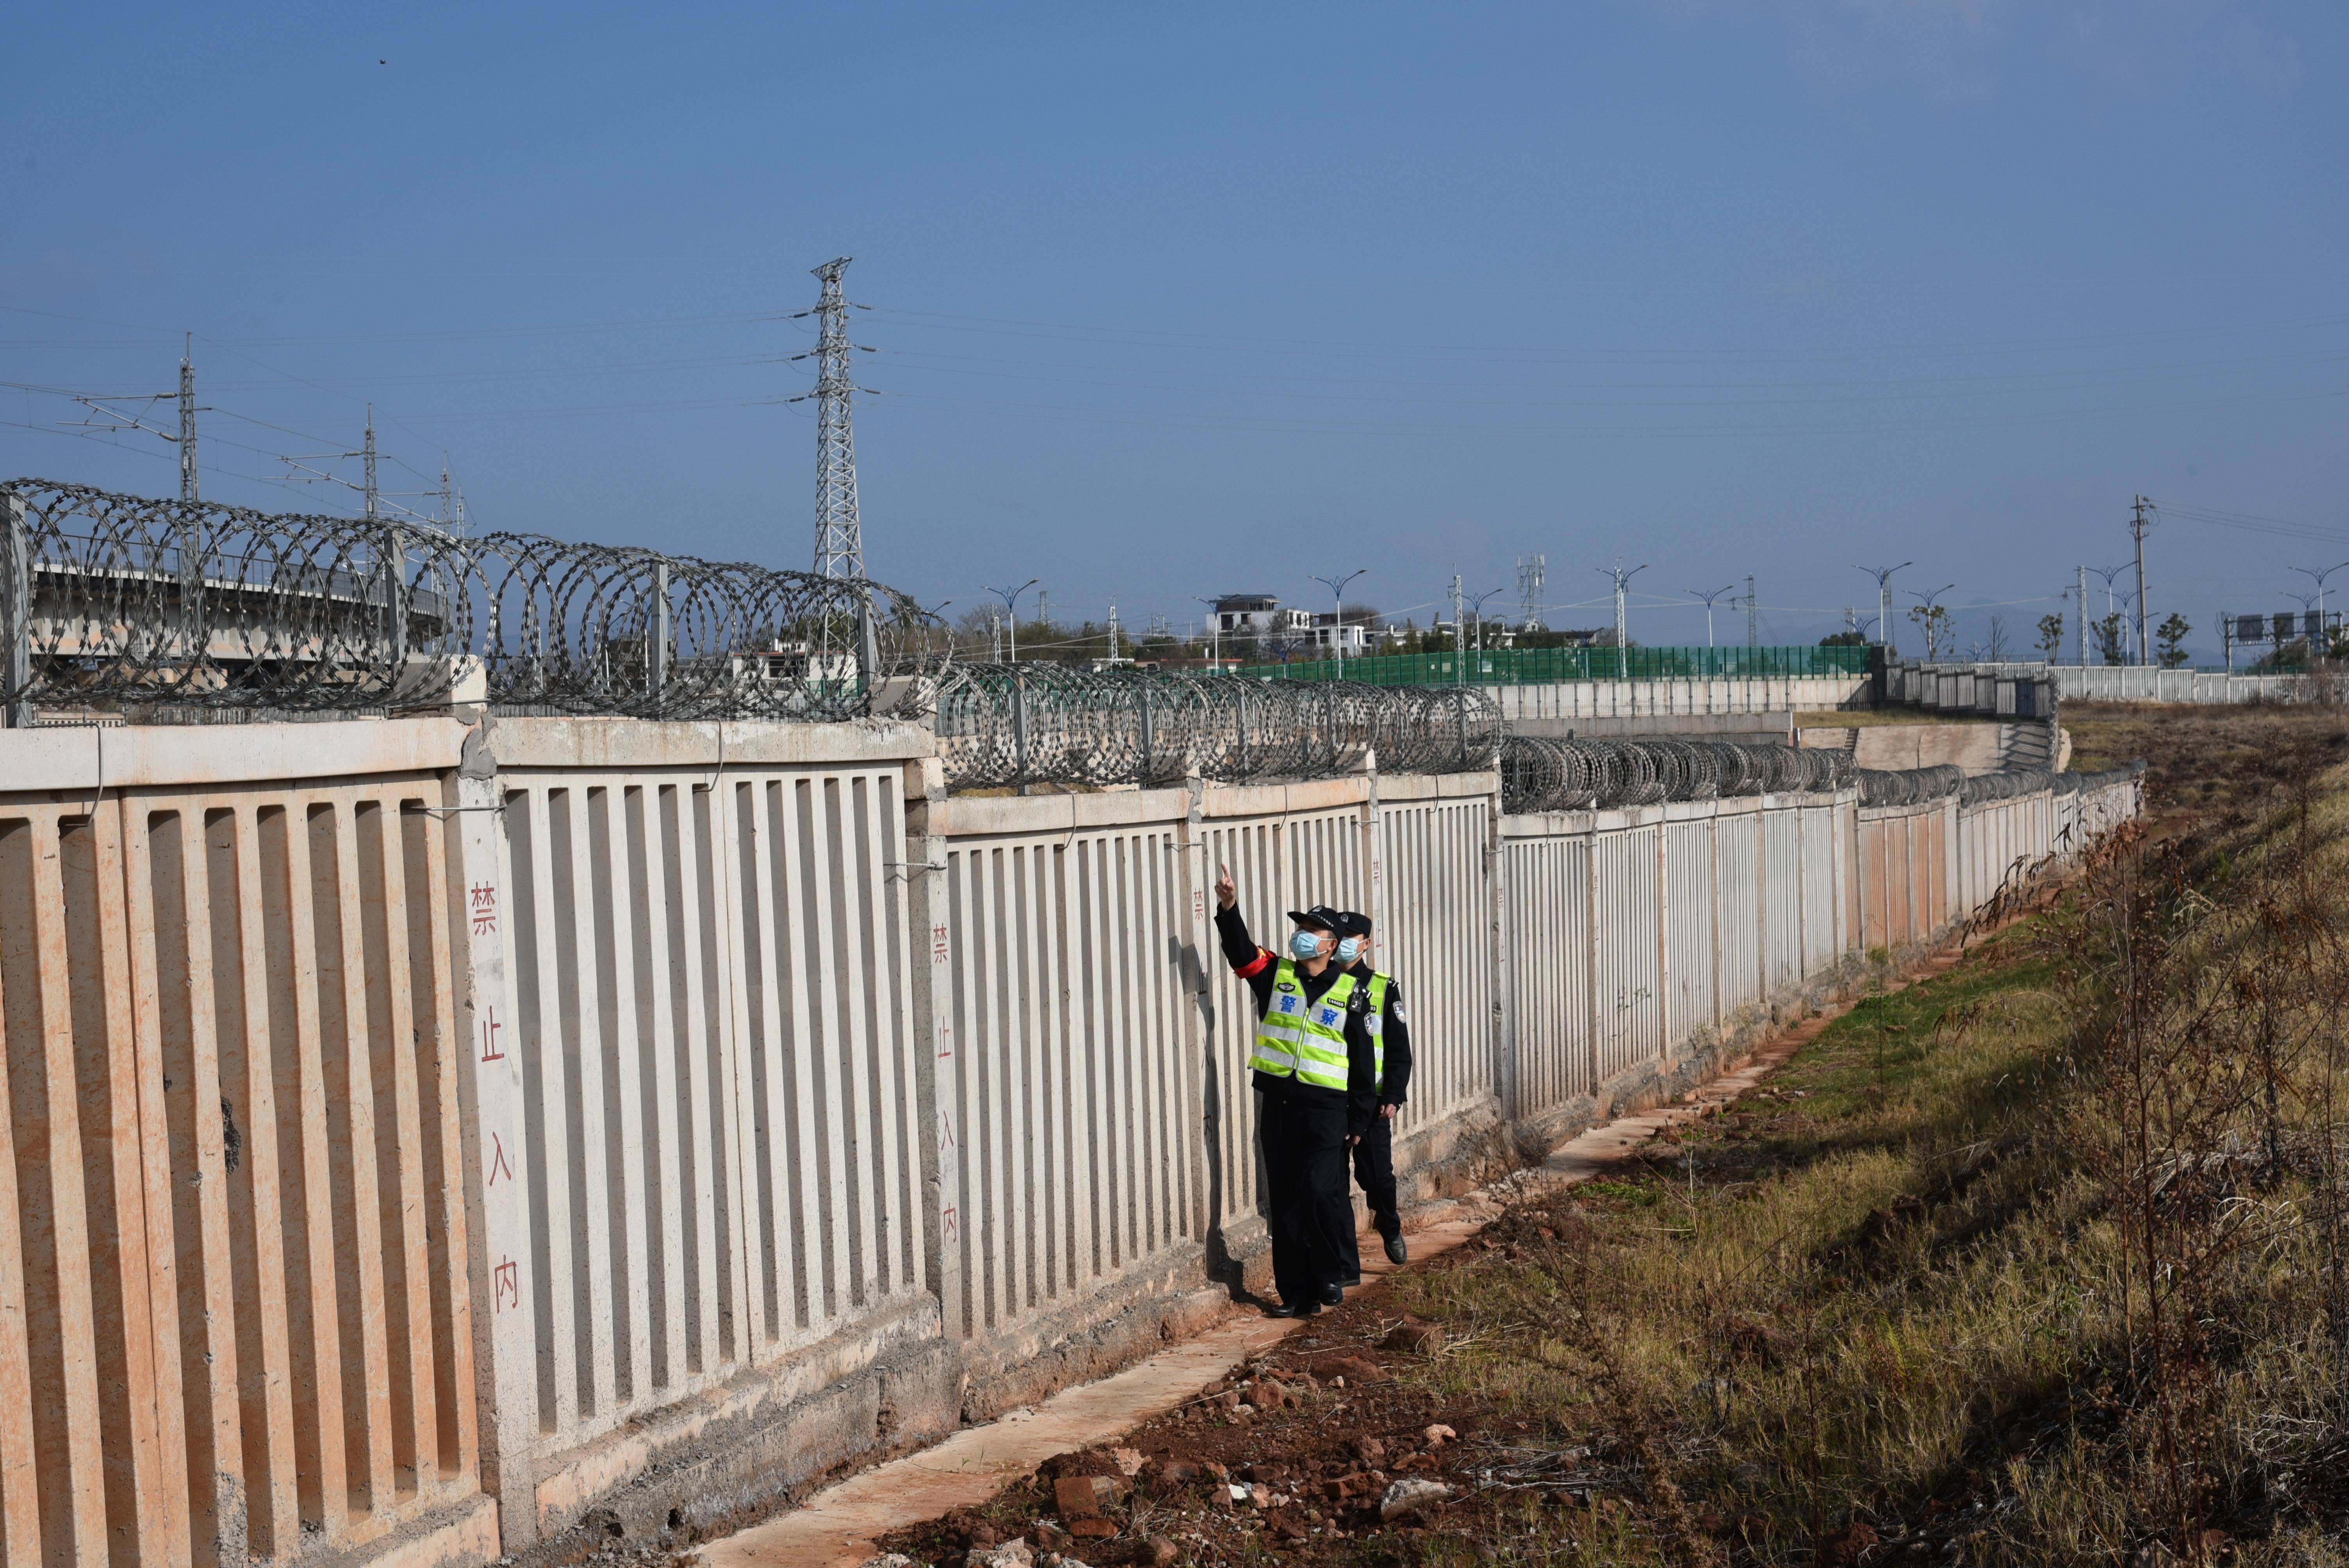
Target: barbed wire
<point>129,603</point>
<point>1010,724</point>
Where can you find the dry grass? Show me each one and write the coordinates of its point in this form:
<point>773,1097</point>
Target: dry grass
<point>2043,1260</point>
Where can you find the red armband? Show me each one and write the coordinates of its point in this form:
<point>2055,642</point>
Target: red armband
<point>1253,967</point>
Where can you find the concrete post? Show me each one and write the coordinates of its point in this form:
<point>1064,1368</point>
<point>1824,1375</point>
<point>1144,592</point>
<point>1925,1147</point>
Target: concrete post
<point>1590,950</point>
<point>656,633</point>
<point>1713,926</point>
<point>505,1346</point>
<point>926,906</point>
<point>1506,1065</point>
<point>16,616</point>
<point>1663,935</point>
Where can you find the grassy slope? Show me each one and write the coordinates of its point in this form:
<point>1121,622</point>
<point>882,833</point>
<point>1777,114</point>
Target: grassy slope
<point>1892,1310</point>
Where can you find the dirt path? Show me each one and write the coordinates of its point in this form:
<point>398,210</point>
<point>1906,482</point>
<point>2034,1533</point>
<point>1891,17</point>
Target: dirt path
<point>839,1527</point>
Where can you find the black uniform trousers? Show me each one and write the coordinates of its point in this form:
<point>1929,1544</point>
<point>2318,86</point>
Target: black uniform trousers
<point>1311,1212</point>
<point>1374,1173</point>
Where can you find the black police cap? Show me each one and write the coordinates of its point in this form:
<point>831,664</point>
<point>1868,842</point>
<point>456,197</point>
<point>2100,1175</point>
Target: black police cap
<point>1356,923</point>
<point>1321,916</point>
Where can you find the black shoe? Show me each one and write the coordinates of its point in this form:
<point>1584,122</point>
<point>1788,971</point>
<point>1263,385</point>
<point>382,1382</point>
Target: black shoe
<point>1333,1294</point>
<point>1302,1309</point>
<point>1397,1253</point>
<point>1351,1280</point>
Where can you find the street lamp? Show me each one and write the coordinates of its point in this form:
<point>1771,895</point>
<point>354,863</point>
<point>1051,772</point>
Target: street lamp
<point>1336,586</point>
<point>1925,602</point>
<point>1476,608</point>
<point>1883,575</point>
<point>1214,632</point>
<point>2319,577</point>
<point>1010,596</point>
<point>1708,598</point>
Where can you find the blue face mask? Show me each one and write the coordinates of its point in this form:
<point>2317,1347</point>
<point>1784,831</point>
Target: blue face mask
<point>1349,949</point>
<point>1305,945</point>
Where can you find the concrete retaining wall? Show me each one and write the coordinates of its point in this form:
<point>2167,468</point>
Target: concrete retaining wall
<point>448,1140</point>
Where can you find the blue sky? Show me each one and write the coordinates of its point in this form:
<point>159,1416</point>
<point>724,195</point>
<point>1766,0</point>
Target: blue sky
<point>1194,299</point>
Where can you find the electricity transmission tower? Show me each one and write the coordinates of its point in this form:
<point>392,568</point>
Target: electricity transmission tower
<point>1752,614</point>
<point>839,544</point>
<point>1531,572</point>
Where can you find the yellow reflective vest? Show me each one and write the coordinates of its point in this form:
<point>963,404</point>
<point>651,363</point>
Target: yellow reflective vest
<point>1300,1039</point>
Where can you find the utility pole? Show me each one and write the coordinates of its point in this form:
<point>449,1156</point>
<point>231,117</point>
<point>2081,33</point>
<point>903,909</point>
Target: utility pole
<point>1459,633</point>
<point>366,452</point>
<point>839,540</point>
<point>1752,614</point>
<point>1708,598</point>
<point>1883,575</point>
<point>1622,617</point>
<point>1336,583</point>
<point>2136,529</point>
<point>188,419</point>
<point>2083,608</point>
<point>185,435</point>
<point>1532,572</point>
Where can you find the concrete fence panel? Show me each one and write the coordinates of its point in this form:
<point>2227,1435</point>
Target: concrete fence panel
<point>1433,918</point>
<point>1075,1079</point>
<point>1552,963</point>
<point>236,1282</point>
<point>707,1153</point>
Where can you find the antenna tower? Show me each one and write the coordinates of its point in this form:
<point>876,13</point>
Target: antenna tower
<point>1531,570</point>
<point>839,542</point>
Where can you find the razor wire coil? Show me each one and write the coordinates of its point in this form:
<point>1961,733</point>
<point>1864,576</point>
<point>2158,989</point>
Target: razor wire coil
<point>1542,774</point>
<point>116,602</point>
<point>1003,726</point>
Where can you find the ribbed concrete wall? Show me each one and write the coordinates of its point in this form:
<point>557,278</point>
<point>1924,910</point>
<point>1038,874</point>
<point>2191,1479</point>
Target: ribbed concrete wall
<point>433,1135</point>
<point>1646,699</point>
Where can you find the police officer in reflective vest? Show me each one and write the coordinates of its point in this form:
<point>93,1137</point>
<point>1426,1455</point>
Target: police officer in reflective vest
<point>1312,1065</point>
<point>1379,999</point>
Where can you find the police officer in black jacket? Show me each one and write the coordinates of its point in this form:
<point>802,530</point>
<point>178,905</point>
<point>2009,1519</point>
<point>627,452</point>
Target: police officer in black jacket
<point>1313,1066</point>
<point>1378,997</point>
